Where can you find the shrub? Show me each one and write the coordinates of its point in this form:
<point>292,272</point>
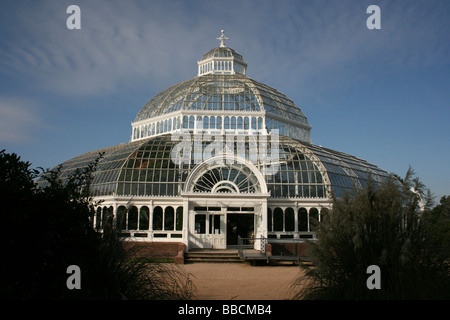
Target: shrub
<point>379,225</point>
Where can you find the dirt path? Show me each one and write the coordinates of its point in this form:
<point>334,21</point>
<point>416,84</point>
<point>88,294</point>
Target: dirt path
<point>242,281</point>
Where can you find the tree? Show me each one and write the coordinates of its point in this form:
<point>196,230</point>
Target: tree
<point>48,229</point>
<point>379,225</point>
<point>438,222</point>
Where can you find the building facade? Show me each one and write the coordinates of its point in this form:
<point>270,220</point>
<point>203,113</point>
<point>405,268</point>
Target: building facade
<point>217,158</point>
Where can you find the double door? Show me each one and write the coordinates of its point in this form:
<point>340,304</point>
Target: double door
<point>208,230</point>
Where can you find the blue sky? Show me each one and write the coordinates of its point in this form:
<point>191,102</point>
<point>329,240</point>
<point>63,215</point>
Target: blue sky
<point>381,95</point>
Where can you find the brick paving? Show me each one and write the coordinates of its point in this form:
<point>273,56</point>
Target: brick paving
<point>242,281</point>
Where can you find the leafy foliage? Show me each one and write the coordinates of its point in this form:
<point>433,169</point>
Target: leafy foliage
<point>379,225</point>
<point>45,230</point>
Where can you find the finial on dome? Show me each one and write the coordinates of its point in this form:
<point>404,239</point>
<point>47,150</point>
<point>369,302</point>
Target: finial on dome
<point>222,39</point>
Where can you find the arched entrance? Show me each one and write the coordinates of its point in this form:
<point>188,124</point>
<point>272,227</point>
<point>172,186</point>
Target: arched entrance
<point>227,199</point>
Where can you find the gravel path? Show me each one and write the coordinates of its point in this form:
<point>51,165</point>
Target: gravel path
<point>242,281</point>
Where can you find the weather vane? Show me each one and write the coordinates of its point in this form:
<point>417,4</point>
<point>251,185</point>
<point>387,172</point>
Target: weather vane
<point>222,39</point>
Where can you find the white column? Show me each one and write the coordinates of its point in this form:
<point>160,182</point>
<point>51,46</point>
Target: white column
<point>150,222</point>
<point>186,222</point>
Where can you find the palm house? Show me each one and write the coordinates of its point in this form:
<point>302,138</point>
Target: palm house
<point>216,160</point>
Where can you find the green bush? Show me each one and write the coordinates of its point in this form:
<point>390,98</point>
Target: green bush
<point>379,225</point>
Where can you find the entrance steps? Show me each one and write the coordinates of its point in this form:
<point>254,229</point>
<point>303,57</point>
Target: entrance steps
<point>212,256</point>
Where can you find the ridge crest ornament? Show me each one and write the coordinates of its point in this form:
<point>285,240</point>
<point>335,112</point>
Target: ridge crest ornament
<point>222,39</point>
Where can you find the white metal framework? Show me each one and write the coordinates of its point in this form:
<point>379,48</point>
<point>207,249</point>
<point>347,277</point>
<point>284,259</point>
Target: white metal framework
<point>209,198</point>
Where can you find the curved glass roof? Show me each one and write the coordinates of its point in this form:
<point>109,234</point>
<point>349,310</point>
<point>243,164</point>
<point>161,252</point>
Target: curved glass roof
<point>221,52</point>
<point>222,102</point>
<point>146,168</point>
<point>222,93</point>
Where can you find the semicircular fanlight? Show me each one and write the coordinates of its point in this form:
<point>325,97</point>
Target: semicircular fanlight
<point>227,178</point>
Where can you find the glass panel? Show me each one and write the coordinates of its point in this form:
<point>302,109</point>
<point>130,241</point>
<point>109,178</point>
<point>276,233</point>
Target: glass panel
<point>132,218</point>
<point>179,219</point>
<point>144,218</point>
<point>233,123</point>
<point>157,218</point>
<point>169,219</point>
<point>278,219</point>
<point>302,219</point>
<point>200,223</point>
<point>289,220</point>
<point>313,218</point>
<point>121,218</point>
<point>98,224</point>
<point>239,123</point>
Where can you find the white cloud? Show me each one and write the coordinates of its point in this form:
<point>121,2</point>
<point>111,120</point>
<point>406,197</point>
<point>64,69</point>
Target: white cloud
<point>159,41</point>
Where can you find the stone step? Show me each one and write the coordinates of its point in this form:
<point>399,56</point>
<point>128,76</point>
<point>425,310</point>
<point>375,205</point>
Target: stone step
<point>212,256</point>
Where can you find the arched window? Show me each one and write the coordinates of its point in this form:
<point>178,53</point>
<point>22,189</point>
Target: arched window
<point>219,122</point>
<point>98,224</point>
<point>157,218</point>
<point>239,123</point>
<point>121,218</point>
<point>185,122</point>
<point>278,219</point>
<point>104,216</point>
<point>289,220</point>
<point>246,123</point>
<point>191,122</point>
<point>132,218</point>
<point>302,219</point>
<point>233,122</point>
<point>199,124</point>
<point>169,219</point>
<point>313,218</point>
<point>227,123</point>
<point>144,218</point>
<point>259,123</point>
<point>179,219</point>
<point>212,123</point>
<point>254,123</point>
<point>206,122</point>
<point>169,125</point>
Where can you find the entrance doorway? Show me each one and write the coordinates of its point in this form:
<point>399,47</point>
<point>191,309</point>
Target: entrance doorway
<point>207,228</point>
<point>239,224</point>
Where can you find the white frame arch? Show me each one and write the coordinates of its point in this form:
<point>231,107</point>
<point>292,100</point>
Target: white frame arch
<point>198,171</point>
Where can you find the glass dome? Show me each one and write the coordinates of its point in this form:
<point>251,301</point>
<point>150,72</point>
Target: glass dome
<point>221,100</point>
<point>230,97</point>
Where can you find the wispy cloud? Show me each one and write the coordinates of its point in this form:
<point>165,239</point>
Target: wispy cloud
<point>159,41</point>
